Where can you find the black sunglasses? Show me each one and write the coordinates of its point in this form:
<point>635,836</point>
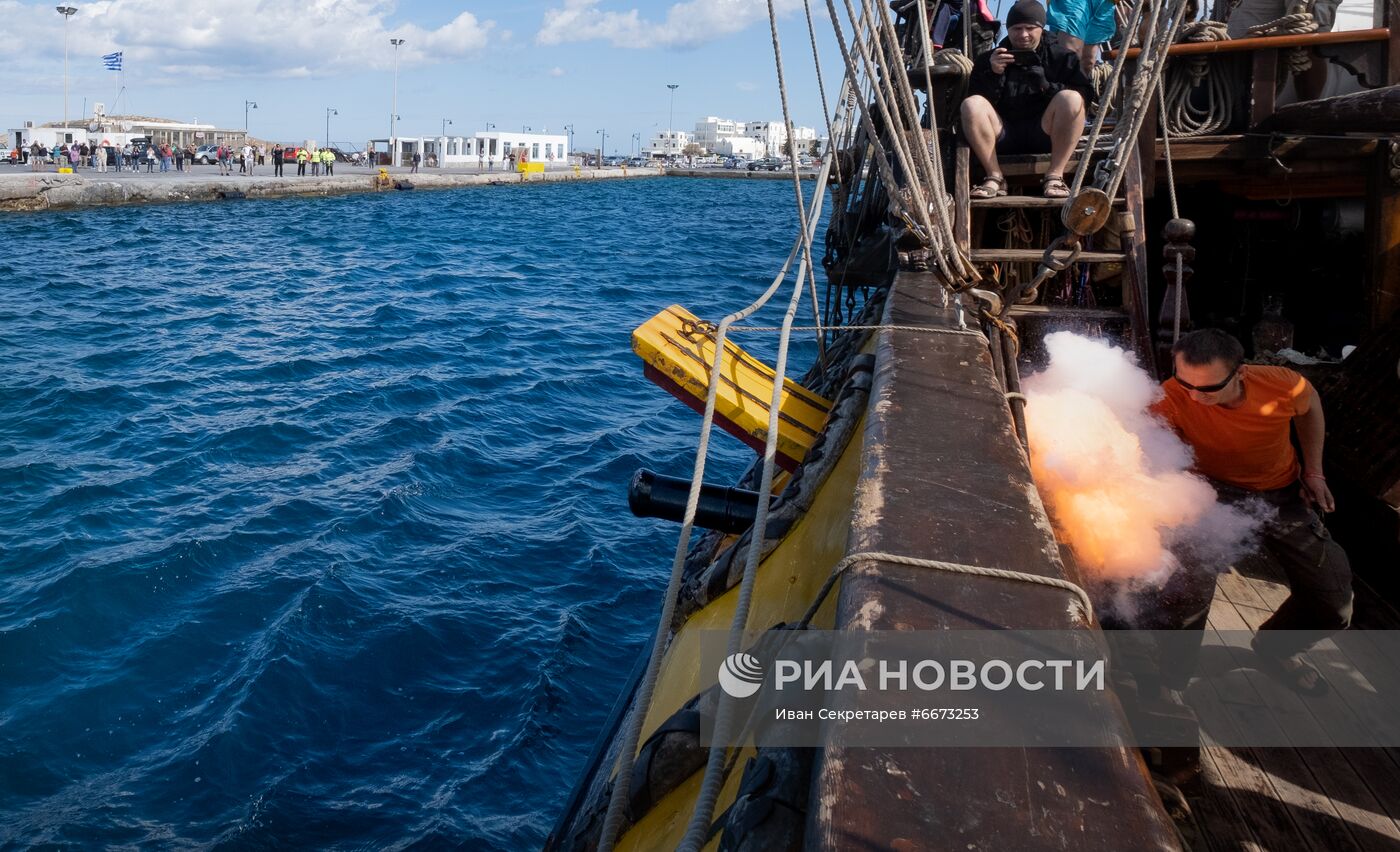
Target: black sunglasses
<point>1215,388</point>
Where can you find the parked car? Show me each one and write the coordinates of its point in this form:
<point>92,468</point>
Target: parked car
<point>767,164</point>
<point>206,154</point>
<point>637,162</point>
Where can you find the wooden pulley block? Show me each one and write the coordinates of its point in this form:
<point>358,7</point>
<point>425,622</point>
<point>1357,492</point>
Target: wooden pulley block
<point>1186,250</point>
<point>1087,212</point>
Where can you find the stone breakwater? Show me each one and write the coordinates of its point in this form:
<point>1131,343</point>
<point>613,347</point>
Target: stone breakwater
<point>50,191</point>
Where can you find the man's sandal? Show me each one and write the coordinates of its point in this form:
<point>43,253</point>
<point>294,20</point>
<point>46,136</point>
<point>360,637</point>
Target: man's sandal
<point>1055,187</point>
<point>1295,672</point>
<point>992,186</point>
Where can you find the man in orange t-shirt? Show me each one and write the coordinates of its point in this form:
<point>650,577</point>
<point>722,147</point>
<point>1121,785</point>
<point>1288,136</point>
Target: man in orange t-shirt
<point>1236,418</point>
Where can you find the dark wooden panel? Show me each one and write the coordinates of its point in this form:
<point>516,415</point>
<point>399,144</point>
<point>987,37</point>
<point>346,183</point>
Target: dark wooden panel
<point>1034,255</point>
<point>1371,111</point>
<point>1263,86</point>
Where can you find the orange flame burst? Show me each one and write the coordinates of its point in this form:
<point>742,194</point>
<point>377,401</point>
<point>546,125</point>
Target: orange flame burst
<point>1113,477</point>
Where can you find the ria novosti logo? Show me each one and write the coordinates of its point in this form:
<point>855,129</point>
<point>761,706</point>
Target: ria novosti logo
<point>740,675</point>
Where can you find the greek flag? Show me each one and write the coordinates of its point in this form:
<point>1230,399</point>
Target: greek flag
<point>113,61</point>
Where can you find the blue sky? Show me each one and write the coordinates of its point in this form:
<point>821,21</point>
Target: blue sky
<point>596,64</point>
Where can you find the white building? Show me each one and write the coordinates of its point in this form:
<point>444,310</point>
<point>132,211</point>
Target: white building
<point>490,150</point>
<point>749,139</point>
<point>740,146</point>
<point>670,143</point>
<point>711,131</point>
<point>120,129</point>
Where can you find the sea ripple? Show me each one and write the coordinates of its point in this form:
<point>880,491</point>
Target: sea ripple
<point>315,531</point>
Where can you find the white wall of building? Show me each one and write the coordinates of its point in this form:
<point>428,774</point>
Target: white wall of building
<point>740,146</point>
<point>491,149</point>
<point>763,138</point>
<point>712,130</point>
<point>670,143</point>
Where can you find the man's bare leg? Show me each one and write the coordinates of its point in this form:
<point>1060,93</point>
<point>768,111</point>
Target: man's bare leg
<point>1063,122</point>
<point>981,125</point>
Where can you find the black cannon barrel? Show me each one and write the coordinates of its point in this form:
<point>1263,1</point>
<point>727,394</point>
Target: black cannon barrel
<point>730,510</point>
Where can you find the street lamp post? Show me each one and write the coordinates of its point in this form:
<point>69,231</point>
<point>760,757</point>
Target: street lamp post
<point>602,147</point>
<point>247,105</point>
<point>394,113</point>
<point>637,138</point>
<point>671,122</point>
<point>569,129</point>
<point>445,123</point>
<point>67,12</point>
<point>330,111</point>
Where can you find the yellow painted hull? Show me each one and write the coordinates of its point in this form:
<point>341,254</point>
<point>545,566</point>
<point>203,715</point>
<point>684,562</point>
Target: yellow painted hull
<point>787,582</point>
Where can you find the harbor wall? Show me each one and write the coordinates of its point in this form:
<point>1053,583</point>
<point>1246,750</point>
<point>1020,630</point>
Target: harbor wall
<point>51,191</point>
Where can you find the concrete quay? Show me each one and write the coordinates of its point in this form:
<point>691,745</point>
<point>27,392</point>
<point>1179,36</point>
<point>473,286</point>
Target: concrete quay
<point>21,189</point>
<point>743,174</point>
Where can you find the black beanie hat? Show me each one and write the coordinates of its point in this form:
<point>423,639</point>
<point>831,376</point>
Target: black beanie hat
<point>1026,12</point>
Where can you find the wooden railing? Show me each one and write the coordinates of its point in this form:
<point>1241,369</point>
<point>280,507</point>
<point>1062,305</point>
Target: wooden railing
<point>1237,45</point>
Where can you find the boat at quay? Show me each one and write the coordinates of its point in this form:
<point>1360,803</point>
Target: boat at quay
<point>897,485</point>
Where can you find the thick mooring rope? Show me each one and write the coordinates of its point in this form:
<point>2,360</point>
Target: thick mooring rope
<point>1086,605</point>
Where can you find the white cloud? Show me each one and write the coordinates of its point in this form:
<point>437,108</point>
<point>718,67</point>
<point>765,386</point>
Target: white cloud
<point>556,71</point>
<point>215,38</point>
<point>687,24</point>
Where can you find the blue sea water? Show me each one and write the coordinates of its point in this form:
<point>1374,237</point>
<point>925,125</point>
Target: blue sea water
<point>314,529</point>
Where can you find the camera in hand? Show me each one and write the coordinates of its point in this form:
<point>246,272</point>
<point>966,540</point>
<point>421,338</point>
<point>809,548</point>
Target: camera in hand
<point>1026,58</point>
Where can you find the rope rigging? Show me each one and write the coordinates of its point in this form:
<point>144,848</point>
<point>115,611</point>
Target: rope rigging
<point>905,167</point>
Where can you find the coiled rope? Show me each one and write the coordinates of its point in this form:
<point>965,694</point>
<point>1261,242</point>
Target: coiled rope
<point>1298,21</point>
<point>1181,116</point>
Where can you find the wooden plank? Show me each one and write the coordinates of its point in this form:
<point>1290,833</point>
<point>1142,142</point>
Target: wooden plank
<point>1033,166</point>
<point>1135,289</point>
<point>962,189</point>
<point>1147,147</point>
<point>1356,781</point>
<point>1244,771</point>
<point>1263,86</point>
<point>1031,201</point>
<point>1267,43</point>
<point>1234,146</point>
<point>1383,233</point>
<point>1303,147</point>
<point>1392,58</point>
<point>1059,311</point>
<point>1223,826</point>
<point>1288,778</point>
<point>1034,255</point>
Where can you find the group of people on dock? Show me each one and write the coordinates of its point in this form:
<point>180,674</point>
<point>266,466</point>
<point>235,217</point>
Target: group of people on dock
<point>164,157</point>
<point>107,156</point>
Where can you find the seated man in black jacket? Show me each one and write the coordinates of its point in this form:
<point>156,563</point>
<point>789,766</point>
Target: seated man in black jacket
<point>1027,96</point>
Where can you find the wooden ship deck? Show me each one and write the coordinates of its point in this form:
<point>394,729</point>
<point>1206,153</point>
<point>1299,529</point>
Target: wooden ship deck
<point>1296,798</point>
